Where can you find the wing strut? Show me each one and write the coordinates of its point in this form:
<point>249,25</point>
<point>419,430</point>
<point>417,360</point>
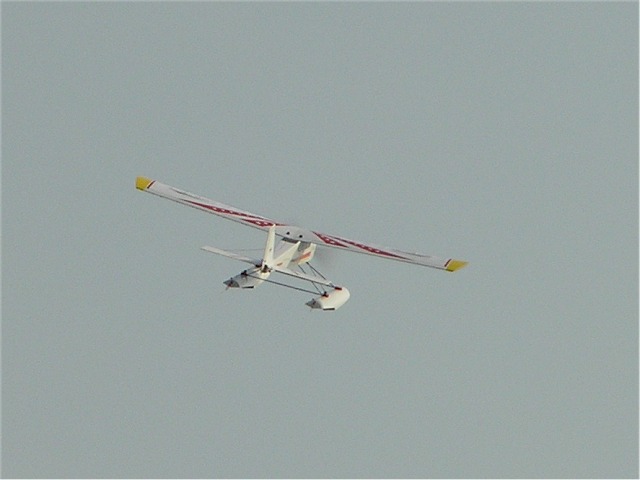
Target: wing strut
<point>300,289</point>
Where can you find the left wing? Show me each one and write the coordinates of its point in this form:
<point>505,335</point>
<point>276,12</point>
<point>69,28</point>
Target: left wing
<point>294,233</point>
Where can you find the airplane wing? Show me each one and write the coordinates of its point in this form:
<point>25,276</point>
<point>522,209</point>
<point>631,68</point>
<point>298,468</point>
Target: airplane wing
<point>292,232</point>
<point>205,204</point>
<point>448,264</point>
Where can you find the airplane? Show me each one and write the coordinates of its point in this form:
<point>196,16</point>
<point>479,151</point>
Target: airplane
<point>295,248</point>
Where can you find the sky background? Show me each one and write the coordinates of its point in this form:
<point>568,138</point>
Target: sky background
<point>505,134</point>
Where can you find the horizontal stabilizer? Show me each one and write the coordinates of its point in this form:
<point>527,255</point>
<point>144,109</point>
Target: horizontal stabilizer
<point>284,271</point>
<point>233,255</point>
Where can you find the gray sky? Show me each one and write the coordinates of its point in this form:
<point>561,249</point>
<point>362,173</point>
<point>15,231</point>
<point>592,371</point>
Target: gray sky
<point>505,134</point>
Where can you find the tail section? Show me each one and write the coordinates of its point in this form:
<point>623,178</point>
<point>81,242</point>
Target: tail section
<point>267,258</point>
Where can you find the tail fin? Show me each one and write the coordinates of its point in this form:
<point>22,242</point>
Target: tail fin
<point>267,258</point>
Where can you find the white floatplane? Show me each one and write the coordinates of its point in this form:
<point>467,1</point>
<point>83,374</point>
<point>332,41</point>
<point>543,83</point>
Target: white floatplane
<point>295,248</point>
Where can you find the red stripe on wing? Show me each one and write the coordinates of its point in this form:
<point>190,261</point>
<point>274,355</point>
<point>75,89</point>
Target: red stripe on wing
<point>247,217</point>
<point>340,242</point>
<point>329,240</point>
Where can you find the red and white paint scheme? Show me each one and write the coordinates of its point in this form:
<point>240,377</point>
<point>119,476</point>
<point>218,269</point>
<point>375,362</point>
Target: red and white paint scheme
<point>296,248</point>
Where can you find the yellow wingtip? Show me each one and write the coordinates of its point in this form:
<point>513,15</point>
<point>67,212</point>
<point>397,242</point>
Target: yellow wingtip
<point>453,265</point>
<point>142,183</point>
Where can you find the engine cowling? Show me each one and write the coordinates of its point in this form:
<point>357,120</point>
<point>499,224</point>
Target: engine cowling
<point>330,300</point>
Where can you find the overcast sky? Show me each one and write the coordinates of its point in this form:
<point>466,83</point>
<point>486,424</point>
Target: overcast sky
<point>505,134</point>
